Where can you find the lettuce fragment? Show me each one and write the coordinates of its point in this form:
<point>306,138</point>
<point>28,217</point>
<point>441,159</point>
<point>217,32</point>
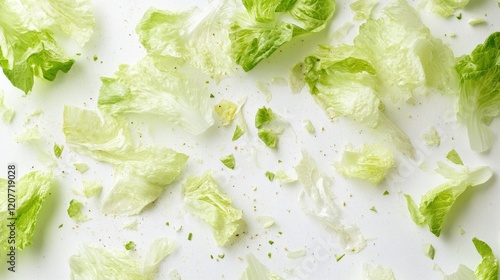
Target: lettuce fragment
<point>486,270</point>
<point>444,8</point>
<point>226,111</point>
<point>256,270</point>
<point>377,272</point>
<point>205,201</point>
<point>228,161</point>
<point>140,172</point>
<point>31,190</point>
<point>6,113</point>
<point>145,89</point>
<point>270,126</point>
<point>91,188</point>
<point>363,8</point>
<point>75,211</point>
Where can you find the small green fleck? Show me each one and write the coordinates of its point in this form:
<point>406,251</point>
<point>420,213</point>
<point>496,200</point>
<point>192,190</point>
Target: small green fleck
<point>280,233</point>
<point>271,242</point>
<point>60,226</point>
<point>211,257</point>
<point>279,161</point>
<point>78,54</point>
<point>476,21</point>
<point>269,255</point>
<point>96,58</point>
<point>238,132</point>
<point>340,257</point>
<point>190,236</point>
<point>206,82</point>
<point>130,245</point>
<point>308,126</point>
<point>212,96</point>
<point>461,231</point>
<point>58,150</point>
<point>373,209</point>
<point>168,224</point>
<point>221,256</point>
<point>459,16</point>
<point>270,175</point>
<point>430,251</point>
<point>228,161</point>
<point>385,193</point>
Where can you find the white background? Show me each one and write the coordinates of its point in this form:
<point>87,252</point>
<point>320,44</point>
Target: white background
<point>394,240</point>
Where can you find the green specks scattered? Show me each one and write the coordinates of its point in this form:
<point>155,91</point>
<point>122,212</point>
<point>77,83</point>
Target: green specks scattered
<point>168,224</point>
<point>340,257</point>
<point>373,209</point>
<point>60,226</point>
<point>221,256</point>
<point>96,57</point>
<point>270,175</point>
<point>228,161</point>
<point>212,96</point>
<point>386,193</point>
<point>271,242</point>
<point>130,245</point>
<point>269,255</point>
<point>459,16</point>
<point>190,236</point>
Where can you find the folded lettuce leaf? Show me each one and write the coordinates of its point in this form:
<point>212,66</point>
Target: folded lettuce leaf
<point>145,89</point>
<point>436,203</point>
<point>140,172</point>
<point>99,263</point>
<point>204,200</point>
<point>31,190</point>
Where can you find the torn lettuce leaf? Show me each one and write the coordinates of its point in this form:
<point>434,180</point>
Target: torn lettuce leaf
<point>270,126</point>
<point>140,172</point>
<point>198,36</point>
<point>58,149</point>
<point>98,263</point>
<point>370,163</point>
<point>488,268</point>
<point>462,273</point>
<point>81,166</point>
<point>444,8</point>
<point>226,110</point>
<point>431,137</point>
<point>318,200</point>
<point>75,211</point>
<point>259,31</point>
<point>363,8</point>
<point>344,85</point>
<point>31,190</point>
<point>204,200</point>
<point>256,270</point>
<point>91,188</point>
<point>436,203</point>
<point>377,272</point>
<point>479,98</point>
<point>453,156</point>
<point>145,89</point>
<point>6,113</point>
<point>228,161</point>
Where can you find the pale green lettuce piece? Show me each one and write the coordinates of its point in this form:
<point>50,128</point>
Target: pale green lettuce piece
<point>488,268</point>
<point>363,8</point>
<point>99,263</point>
<point>91,188</point>
<point>462,273</point>
<point>377,272</point>
<point>444,8</point>
<point>345,85</point>
<point>199,36</point>
<point>205,201</point>
<point>453,156</point>
<point>58,149</point>
<point>75,211</point>
<point>479,99</point>
<point>73,17</point>
<point>256,270</point>
<point>431,137</point>
<point>259,31</point>
<point>228,161</point>
<point>140,172</point>
<point>6,113</point>
<point>318,200</point>
<point>370,163</point>
<point>226,111</point>
<point>145,89</point>
<point>308,126</point>
<point>436,203</point>
<point>81,166</point>
<point>31,190</point>
<point>270,126</point>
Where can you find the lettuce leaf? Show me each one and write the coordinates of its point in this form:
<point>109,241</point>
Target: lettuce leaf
<point>479,98</point>
<point>75,211</point>
<point>318,200</point>
<point>140,172</point>
<point>31,191</point>
<point>145,89</point>
<point>371,163</point>
<point>256,270</point>
<point>436,203</point>
<point>488,268</point>
<point>98,263</point>
<point>204,200</point>
<point>269,126</point>
<point>6,113</point>
<point>444,8</point>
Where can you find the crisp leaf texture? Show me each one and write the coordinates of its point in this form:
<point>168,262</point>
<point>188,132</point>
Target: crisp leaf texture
<point>377,272</point>
<point>269,126</point>
<point>31,191</point>
<point>205,200</point>
<point>445,8</point>
<point>479,99</point>
<point>488,268</point>
<point>75,211</point>
<point>145,89</point>
<point>141,172</point>
<point>256,270</point>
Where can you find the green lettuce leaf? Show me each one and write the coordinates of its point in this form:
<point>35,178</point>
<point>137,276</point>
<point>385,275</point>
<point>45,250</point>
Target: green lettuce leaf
<point>479,99</point>
<point>98,263</point>
<point>444,8</point>
<point>75,211</point>
<point>140,172</point>
<point>363,8</point>
<point>31,190</point>
<point>205,201</point>
<point>256,270</point>
<point>371,163</point>
<point>436,203</point>
<point>269,126</point>
<point>488,268</point>
<point>226,111</point>
<point>91,188</point>
<point>6,113</point>
<point>145,89</point>
<point>258,32</point>
<point>228,161</point>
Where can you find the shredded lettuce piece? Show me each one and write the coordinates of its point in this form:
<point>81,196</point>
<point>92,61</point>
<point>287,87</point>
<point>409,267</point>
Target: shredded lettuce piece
<point>81,167</point>
<point>199,36</point>
<point>226,111</point>
<point>75,211</point>
<point>140,172</point>
<point>444,8</point>
<point>318,200</point>
<point>476,21</point>
<point>462,273</point>
<point>238,132</point>
<point>429,251</point>
<point>91,188</point>
<point>265,221</point>
<point>270,126</point>
<point>31,190</point>
<point>256,270</point>
<point>6,113</point>
<point>436,203</point>
<point>58,149</point>
<point>29,134</point>
<point>479,98</point>
<point>98,263</point>
<point>431,137</point>
<point>228,161</point>
<point>453,156</point>
<point>256,33</point>
<point>308,126</point>
<point>371,163</point>
<point>377,272</point>
<point>488,268</point>
<point>145,89</point>
<point>205,201</point>
<point>363,8</point>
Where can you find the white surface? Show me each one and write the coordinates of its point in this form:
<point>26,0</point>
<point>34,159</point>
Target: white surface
<point>394,240</point>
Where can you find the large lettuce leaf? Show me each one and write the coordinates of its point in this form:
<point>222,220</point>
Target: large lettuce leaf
<point>205,200</point>
<point>141,172</point>
<point>99,263</point>
<point>145,89</point>
<point>479,99</point>
<point>31,191</point>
